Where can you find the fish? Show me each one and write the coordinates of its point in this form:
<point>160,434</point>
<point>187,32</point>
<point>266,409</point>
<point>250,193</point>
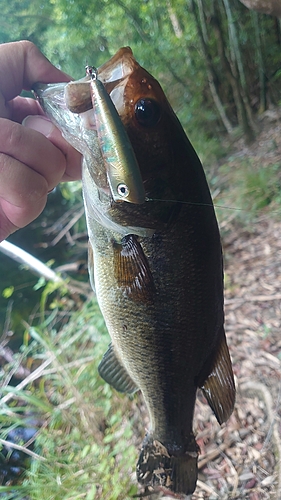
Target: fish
<point>156,267</point>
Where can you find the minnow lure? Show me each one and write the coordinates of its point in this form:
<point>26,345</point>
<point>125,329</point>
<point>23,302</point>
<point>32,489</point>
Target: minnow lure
<point>122,168</point>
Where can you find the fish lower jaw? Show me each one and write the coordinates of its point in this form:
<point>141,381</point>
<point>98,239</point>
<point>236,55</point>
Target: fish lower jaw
<point>175,470</point>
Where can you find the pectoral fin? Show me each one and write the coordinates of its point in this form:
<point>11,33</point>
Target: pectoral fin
<point>219,387</point>
<point>132,269</point>
<point>114,373</point>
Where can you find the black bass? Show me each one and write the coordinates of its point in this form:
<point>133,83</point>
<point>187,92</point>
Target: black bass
<point>156,266</point>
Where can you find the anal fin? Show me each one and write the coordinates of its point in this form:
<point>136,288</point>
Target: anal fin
<point>114,373</point>
<point>219,387</point>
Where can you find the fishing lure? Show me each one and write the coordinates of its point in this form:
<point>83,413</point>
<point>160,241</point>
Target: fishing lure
<point>121,165</point>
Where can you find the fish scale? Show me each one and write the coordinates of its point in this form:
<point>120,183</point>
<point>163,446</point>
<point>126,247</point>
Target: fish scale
<point>156,265</point>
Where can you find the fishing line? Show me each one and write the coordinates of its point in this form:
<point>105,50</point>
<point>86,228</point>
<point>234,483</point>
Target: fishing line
<point>197,203</point>
<point>207,205</point>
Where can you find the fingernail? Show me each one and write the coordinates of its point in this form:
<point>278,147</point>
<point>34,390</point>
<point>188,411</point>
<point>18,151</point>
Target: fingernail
<point>39,123</point>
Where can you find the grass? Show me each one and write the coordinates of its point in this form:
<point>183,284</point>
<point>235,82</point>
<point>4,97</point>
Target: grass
<point>244,190</point>
<point>86,445</point>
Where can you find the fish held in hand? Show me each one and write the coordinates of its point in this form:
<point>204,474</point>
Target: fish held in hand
<point>122,169</point>
<point>156,267</point>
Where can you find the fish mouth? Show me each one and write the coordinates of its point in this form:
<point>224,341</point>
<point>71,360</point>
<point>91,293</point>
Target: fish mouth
<point>120,66</point>
<point>115,73</point>
<point>70,104</point>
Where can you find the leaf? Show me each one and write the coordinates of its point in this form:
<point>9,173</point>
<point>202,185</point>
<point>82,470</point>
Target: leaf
<point>8,292</point>
<point>91,495</point>
<point>40,283</point>
<point>29,398</point>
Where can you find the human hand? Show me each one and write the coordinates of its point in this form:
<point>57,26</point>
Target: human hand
<point>33,158</point>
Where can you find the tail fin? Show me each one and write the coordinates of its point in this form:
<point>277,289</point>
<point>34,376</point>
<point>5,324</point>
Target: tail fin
<point>175,470</point>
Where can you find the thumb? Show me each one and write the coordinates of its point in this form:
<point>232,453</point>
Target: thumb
<point>39,123</point>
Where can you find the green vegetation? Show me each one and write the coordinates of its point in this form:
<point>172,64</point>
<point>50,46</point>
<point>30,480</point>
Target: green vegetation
<point>85,447</point>
<point>247,189</point>
<point>257,187</point>
<point>219,65</point>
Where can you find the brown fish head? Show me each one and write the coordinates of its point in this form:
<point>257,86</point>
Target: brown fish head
<point>170,169</point>
<point>146,115</point>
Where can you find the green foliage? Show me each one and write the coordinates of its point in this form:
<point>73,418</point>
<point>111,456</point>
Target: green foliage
<point>86,445</point>
<point>8,292</point>
<point>260,186</point>
<point>165,39</point>
<point>22,19</point>
<point>248,189</point>
<point>71,191</point>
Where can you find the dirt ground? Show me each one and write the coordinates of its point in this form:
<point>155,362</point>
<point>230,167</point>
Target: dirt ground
<point>242,459</point>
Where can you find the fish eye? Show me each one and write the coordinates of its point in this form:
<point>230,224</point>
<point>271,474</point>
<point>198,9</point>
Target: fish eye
<point>123,190</point>
<point>147,112</point>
